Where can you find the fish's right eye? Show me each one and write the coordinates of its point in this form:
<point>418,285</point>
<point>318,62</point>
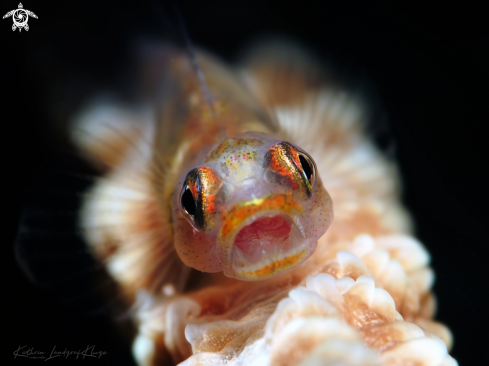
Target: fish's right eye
<point>198,197</point>
<point>188,202</point>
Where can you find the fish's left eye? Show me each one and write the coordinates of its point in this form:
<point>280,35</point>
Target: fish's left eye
<point>291,166</point>
<point>307,167</point>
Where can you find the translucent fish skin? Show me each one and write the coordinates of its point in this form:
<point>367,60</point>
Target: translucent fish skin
<point>236,184</point>
<point>189,186</point>
<point>204,135</point>
<point>215,149</point>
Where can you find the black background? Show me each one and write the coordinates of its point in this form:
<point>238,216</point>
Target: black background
<point>429,64</point>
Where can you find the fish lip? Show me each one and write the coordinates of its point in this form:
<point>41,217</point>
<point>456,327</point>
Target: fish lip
<point>291,219</point>
<point>297,247</point>
<point>280,262</point>
<point>255,209</point>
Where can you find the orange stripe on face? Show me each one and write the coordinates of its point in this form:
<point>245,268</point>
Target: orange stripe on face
<point>274,267</point>
<point>239,213</point>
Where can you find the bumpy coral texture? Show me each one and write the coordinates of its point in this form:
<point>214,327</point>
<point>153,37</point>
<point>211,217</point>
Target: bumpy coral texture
<point>369,305</point>
<point>363,298</point>
<point>344,314</point>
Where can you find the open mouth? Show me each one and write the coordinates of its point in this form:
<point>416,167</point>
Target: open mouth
<point>264,237</point>
<point>268,246</point>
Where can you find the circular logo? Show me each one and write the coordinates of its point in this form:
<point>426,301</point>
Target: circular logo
<point>20,18</point>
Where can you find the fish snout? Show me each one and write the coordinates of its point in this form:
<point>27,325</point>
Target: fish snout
<point>265,236</point>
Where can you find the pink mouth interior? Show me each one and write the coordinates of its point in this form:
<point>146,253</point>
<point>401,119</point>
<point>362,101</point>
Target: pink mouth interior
<point>266,234</point>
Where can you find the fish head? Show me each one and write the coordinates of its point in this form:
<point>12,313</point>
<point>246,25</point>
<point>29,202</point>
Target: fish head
<point>255,207</point>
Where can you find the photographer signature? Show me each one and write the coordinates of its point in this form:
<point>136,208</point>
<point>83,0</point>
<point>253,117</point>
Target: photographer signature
<point>89,351</point>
